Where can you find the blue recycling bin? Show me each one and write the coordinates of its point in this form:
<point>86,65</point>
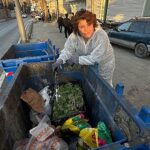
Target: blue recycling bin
<point>28,53</point>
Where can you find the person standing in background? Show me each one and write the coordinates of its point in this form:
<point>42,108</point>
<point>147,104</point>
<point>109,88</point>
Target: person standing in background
<point>60,23</point>
<point>72,21</point>
<point>67,25</point>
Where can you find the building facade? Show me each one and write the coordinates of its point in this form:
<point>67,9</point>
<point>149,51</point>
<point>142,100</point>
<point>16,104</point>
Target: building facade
<point>122,10</point>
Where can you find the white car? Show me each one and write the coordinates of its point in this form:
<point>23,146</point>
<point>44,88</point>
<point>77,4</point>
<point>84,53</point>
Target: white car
<point>24,15</point>
<point>38,17</point>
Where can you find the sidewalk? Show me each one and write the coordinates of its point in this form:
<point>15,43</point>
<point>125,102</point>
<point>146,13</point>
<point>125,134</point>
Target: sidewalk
<point>42,31</point>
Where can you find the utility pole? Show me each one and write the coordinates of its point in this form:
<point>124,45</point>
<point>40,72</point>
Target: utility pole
<point>45,9</point>
<point>57,8</point>
<point>105,10</point>
<point>20,22</point>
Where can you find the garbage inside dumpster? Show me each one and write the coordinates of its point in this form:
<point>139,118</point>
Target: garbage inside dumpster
<point>44,135</point>
<point>34,99</point>
<point>42,138</point>
<point>37,76</point>
<point>70,101</point>
<point>76,124</point>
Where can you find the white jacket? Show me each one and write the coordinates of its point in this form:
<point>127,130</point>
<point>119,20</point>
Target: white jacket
<point>97,50</point>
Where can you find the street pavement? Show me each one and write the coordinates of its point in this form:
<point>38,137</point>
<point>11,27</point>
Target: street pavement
<point>43,31</point>
<point>9,34</point>
<point>132,71</point>
<point>122,10</point>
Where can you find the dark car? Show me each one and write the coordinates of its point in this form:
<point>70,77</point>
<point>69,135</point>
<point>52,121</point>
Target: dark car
<point>134,34</point>
<point>109,24</point>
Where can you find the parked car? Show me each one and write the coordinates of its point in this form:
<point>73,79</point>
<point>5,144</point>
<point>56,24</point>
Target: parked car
<point>38,17</point>
<point>134,34</point>
<point>24,15</point>
<point>109,24</point>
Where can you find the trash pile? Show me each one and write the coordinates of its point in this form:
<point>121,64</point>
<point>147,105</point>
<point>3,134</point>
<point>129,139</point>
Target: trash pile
<point>61,123</point>
<point>70,101</point>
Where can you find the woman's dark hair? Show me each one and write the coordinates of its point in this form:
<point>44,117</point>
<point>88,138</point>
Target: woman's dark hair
<point>84,14</point>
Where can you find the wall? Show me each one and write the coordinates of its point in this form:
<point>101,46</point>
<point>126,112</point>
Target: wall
<point>122,10</point>
<point>3,14</point>
<point>146,10</point>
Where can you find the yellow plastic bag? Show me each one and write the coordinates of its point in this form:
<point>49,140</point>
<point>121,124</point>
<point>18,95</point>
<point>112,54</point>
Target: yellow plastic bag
<point>90,137</point>
<point>75,124</point>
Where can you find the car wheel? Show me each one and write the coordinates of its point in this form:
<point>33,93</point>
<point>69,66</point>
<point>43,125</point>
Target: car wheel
<point>141,50</point>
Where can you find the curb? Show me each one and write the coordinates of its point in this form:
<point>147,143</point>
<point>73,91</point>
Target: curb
<point>2,20</point>
<point>28,29</point>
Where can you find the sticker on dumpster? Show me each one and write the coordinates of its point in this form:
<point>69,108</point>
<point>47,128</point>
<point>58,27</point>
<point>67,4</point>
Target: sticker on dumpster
<point>9,74</point>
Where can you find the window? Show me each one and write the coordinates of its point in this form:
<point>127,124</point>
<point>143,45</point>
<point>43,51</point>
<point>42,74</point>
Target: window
<point>137,26</point>
<point>147,28</point>
<point>124,26</point>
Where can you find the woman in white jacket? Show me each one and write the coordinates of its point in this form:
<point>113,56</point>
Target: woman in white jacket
<point>88,45</point>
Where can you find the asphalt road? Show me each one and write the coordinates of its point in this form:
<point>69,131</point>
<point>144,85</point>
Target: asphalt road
<point>9,34</point>
<point>134,72</point>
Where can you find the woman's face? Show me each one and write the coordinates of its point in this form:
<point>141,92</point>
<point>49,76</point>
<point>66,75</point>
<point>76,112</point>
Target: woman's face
<point>86,30</point>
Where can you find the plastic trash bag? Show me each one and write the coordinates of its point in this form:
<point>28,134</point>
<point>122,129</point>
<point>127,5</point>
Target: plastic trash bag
<point>75,124</point>
<point>90,137</point>
<point>35,117</point>
<point>46,97</point>
<point>43,130</point>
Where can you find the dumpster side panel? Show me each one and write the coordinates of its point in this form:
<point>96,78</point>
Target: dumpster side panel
<point>10,53</point>
<point>3,131</point>
<point>15,124</point>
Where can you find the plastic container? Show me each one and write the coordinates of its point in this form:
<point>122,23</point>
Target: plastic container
<point>100,99</point>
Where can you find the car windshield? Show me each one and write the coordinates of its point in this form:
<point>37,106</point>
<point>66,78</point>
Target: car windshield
<point>124,26</point>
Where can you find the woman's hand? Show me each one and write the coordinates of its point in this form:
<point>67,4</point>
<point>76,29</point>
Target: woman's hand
<point>73,60</point>
<point>57,65</point>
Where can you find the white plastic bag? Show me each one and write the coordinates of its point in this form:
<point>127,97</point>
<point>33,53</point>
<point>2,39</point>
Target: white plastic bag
<point>46,97</point>
<point>43,139</point>
<point>35,117</point>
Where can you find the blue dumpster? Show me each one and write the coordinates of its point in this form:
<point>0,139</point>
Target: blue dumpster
<point>102,103</point>
<point>27,53</point>
<point>138,147</point>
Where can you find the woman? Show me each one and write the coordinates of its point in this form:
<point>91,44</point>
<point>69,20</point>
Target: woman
<point>88,45</point>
